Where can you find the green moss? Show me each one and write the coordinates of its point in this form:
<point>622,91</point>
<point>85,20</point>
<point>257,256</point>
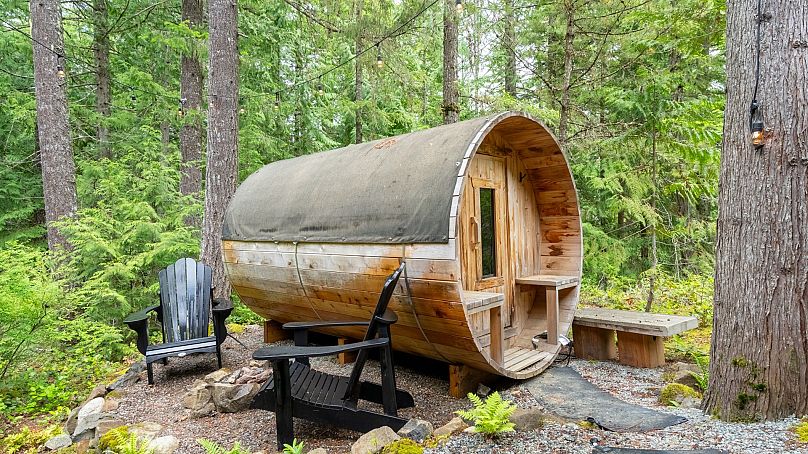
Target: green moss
<point>759,387</point>
<point>403,446</point>
<point>740,361</point>
<point>674,393</point>
<point>434,442</point>
<point>114,438</point>
<point>235,328</point>
<point>801,430</point>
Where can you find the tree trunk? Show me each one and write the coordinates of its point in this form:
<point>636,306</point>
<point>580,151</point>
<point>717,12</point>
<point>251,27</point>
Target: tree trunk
<point>509,43</point>
<point>451,96</point>
<point>191,92</point>
<point>759,354</point>
<point>102,90</point>
<point>358,72</point>
<point>222,159</point>
<point>56,150</point>
<point>654,257</point>
<point>569,40</point>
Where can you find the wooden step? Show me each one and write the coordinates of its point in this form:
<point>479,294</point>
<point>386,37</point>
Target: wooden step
<point>518,358</point>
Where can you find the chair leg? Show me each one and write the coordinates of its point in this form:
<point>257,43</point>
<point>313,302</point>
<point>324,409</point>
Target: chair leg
<point>165,361</point>
<point>219,357</point>
<point>150,373</point>
<point>283,403</point>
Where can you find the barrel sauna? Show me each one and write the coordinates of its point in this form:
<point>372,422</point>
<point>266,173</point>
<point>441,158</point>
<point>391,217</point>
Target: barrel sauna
<point>484,212</point>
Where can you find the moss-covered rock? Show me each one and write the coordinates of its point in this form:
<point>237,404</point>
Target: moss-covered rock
<point>403,446</point>
<point>801,430</point>
<point>675,393</point>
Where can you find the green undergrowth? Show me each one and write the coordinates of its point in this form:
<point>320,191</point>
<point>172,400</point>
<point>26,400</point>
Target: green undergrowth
<point>27,440</point>
<point>801,430</point>
<point>673,393</point>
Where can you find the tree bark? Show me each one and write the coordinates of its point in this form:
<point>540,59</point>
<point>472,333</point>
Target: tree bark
<point>222,156</point>
<point>509,43</point>
<point>191,92</point>
<point>759,354</point>
<point>56,150</point>
<point>451,96</point>
<point>569,61</point>
<point>358,72</point>
<point>103,95</point>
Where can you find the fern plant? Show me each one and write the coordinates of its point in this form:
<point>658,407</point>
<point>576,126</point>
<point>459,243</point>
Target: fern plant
<point>492,416</point>
<point>294,448</point>
<point>213,448</point>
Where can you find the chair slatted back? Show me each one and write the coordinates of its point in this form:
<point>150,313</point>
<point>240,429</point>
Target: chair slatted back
<point>185,297</point>
<point>373,328</point>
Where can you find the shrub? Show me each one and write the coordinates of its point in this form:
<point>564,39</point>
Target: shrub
<point>492,416</point>
<point>28,441</point>
<point>294,448</point>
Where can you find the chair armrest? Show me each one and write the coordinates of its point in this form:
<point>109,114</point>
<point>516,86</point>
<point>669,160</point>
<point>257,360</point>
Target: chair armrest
<point>141,314</point>
<point>320,324</point>
<point>139,323</point>
<point>288,352</point>
<point>222,308</point>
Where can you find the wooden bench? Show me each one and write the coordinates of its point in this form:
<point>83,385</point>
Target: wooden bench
<point>639,335</point>
<point>476,302</point>
<point>552,284</point>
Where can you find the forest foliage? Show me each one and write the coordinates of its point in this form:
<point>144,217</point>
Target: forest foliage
<point>636,84</point>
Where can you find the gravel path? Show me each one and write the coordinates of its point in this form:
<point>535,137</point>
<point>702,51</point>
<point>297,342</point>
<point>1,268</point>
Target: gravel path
<point>640,387</point>
<point>255,429</point>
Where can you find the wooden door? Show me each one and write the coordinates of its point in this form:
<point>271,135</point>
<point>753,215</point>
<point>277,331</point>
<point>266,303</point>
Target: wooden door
<point>485,252</point>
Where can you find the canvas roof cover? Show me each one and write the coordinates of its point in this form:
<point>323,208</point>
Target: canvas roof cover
<point>396,190</point>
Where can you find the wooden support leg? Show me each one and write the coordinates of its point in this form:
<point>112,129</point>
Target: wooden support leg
<point>150,373</point>
<point>283,403</point>
<point>594,343</point>
<point>464,379</point>
<point>640,350</point>
<point>552,315</point>
<point>497,334</point>
<point>345,357</point>
<point>274,332</point>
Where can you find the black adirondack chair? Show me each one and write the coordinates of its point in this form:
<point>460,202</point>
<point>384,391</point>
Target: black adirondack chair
<point>184,313</point>
<point>297,390</point>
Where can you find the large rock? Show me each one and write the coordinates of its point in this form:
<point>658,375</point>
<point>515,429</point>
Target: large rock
<point>685,377</point>
<point>164,445</point>
<point>130,377</point>
<point>217,376</point>
<point>72,420</point>
<point>98,391</point>
<point>374,441</point>
<point>107,424</point>
<point>59,442</point>
<point>455,425</point>
<point>527,419</point>
<point>232,398</point>
<point>89,415</point>
<point>145,430</point>
<point>416,430</point>
<point>197,397</point>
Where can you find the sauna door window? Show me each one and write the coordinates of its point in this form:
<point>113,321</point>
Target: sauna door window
<point>488,243</point>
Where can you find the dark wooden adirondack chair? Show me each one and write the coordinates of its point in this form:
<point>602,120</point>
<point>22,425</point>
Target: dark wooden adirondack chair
<point>297,390</point>
<point>184,313</point>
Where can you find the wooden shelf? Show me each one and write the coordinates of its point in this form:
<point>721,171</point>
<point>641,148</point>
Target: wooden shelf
<point>549,280</point>
<point>481,301</point>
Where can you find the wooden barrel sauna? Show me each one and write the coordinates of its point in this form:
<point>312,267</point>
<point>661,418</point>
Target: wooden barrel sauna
<point>484,212</point>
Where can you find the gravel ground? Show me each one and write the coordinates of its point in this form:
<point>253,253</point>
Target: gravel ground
<point>426,381</point>
<point>641,387</point>
<point>255,429</point>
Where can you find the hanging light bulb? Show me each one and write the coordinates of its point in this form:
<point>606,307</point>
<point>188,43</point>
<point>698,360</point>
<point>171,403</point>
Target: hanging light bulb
<point>756,126</point>
<point>277,101</point>
<point>459,6</point>
<point>60,72</point>
<point>379,61</point>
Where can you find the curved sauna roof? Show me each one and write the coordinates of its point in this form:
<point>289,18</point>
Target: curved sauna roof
<point>392,191</point>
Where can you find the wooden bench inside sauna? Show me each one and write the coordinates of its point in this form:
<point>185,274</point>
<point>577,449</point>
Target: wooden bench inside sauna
<point>484,212</point>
